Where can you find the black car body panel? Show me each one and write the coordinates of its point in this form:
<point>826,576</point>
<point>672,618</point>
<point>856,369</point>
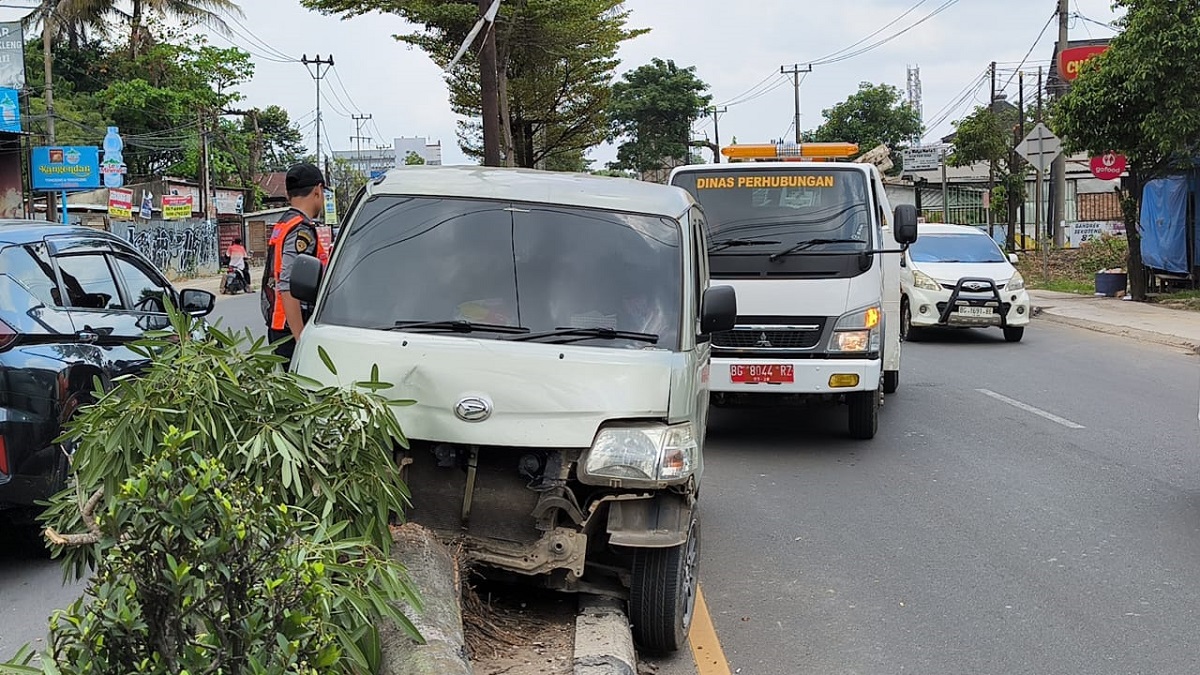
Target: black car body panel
<point>72,300</point>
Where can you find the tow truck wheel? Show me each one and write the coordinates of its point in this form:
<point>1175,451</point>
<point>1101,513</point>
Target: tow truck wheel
<point>864,414</point>
<point>662,594</point>
<point>1014,334</point>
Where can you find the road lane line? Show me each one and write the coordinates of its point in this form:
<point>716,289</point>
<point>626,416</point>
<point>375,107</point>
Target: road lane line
<point>1028,408</point>
<point>706,648</point>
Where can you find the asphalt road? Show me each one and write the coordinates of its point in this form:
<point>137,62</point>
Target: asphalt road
<point>1027,508</point>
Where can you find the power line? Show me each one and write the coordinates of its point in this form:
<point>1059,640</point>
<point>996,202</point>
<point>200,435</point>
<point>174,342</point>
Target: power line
<point>1033,46</point>
<point>744,93</point>
<point>943,7</point>
<point>887,25</point>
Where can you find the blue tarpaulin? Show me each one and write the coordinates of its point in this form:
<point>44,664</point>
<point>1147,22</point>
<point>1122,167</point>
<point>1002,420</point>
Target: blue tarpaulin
<point>1164,224</point>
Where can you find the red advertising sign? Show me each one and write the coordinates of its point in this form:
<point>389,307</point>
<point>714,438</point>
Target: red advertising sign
<point>1072,59</point>
<point>120,203</point>
<point>1108,166</point>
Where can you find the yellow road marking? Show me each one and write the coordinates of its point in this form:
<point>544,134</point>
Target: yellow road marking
<point>706,648</point>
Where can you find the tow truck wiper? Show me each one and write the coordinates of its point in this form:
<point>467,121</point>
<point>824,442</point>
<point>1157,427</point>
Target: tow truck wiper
<point>456,326</point>
<point>576,333</point>
<point>722,244</point>
<point>800,246</point>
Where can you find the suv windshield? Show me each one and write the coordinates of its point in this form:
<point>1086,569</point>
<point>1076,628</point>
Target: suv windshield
<point>955,248</point>
<point>538,267</point>
<point>792,206</point>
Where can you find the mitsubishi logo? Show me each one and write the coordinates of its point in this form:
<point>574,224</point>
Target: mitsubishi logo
<point>763,341</point>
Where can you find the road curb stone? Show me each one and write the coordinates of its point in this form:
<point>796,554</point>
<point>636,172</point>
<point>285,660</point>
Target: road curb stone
<point>1048,314</point>
<point>603,641</point>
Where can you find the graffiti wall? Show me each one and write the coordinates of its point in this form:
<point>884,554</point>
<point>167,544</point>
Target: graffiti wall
<point>178,247</point>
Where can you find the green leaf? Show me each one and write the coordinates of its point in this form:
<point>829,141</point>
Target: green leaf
<point>326,360</point>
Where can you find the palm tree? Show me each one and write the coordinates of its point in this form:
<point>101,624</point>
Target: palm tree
<point>74,20</point>
<point>207,12</point>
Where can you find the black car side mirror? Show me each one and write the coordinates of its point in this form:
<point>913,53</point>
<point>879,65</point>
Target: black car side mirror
<point>904,227</point>
<point>196,302</point>
<point>306,278</point>
<point>718,311</point>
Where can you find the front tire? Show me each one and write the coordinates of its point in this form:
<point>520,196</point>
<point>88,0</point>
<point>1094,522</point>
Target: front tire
<point>662,594</point>
<point>864,414</point>
<point>1014,334</point>
<point>907,333</point>
<point>891,381</point>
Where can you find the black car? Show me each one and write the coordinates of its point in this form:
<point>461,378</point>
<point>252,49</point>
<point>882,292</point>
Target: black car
<point>71,301</point>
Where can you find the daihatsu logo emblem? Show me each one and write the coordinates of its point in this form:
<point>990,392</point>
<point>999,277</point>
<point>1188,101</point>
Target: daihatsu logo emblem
<point>763,341</point>
<point>473,409</point>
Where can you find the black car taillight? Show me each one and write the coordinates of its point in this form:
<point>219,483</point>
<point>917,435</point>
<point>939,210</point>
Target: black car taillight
<point>7,336</point>
<point>3,457</point>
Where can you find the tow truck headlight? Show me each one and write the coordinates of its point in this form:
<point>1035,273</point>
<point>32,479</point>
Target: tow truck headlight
<point>857,331</point>
<point>1016,283</point>
<point>635,456</point>
<point>925,282</point>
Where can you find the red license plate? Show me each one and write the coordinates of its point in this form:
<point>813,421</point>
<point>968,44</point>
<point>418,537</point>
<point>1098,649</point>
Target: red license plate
<point>766,373</point>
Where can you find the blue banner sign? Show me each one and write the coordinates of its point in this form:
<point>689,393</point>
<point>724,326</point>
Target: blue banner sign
<point>10,111</point>
<point>71,167</point>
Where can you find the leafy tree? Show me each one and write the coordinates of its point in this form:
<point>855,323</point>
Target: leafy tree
<point>988,135</point>
<point>413,159</point>
<point>653,108</point>
<point>1131,99</point>
<point>282,141</point>
<point>347,181</point>
<point>875,114</point>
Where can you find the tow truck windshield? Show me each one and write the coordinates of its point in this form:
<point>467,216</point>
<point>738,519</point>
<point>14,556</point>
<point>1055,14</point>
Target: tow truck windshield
<point>805,207</point>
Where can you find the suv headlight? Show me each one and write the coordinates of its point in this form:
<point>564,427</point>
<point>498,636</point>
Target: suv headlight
<point>1016,283</point>
<point>857,331</point>
<point>924,281</point>
<point>642,455</point>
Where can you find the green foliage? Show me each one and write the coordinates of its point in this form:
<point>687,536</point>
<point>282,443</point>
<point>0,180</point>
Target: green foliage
<point>347,181</point>
<point>988,135</point>
<point>413,159</point>
<point>876,114</point>
<point>653,108</point>
<point>1105,252</point>
<point>325,450</point>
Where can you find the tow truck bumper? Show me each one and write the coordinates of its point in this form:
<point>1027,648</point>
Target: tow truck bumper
<point>794,376</point>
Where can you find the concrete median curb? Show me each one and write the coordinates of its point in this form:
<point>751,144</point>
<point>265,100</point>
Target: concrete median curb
<point>1049,314</point>
<point>603,641</point>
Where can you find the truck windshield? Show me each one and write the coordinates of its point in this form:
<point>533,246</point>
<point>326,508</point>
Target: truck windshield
<point>538,267</point>
<point>792,206</point>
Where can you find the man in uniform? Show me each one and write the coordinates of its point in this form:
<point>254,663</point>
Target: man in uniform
<point>294,234</point>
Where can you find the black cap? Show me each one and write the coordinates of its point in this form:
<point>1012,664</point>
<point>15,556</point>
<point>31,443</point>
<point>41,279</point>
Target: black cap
<point>303,176</point>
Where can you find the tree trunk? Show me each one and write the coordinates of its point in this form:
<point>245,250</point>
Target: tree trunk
<point>135,30</point>
<point>434,572</point>
<point>1131,208</point>
<point>489,93</point>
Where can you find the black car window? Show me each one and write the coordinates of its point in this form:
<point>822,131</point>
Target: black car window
<point>88,282</point>
<point>30,267</point>
<point>146,291</point>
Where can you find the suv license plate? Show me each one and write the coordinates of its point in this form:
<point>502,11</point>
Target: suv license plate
<point>767,373</point>
<point>974,311</point>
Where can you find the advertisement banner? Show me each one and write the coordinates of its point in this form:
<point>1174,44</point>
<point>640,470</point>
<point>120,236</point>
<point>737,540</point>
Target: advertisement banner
<point>176,207</point>
<point>12,55</point>
<point>120,203</point>
<point>331,214</point>
<point>10,111</point>
<point>68,167</point>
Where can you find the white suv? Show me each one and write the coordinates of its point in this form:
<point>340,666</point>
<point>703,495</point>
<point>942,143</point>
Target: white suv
<point>956,276</point>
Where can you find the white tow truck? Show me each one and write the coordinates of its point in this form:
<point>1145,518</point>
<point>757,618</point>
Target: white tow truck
<point>808,243</point>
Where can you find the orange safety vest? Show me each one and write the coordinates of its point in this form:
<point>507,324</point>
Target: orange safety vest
<point>272,297</point>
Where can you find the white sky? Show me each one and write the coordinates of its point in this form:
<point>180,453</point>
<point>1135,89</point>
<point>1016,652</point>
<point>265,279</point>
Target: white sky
<point>734,46</point>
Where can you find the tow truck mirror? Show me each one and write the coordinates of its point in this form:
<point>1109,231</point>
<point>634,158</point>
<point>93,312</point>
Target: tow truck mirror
<point>718,311</point>
<point>905,224</point>
<point>306,278</point>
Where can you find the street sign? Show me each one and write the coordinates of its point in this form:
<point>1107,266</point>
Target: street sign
<point>1040,147</point>
<point>923,158</point>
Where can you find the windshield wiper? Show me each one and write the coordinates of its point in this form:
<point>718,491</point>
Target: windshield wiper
<point>456,326</point>
<point>723,244</point>
<point>573,334</point>
<point>800,246</point>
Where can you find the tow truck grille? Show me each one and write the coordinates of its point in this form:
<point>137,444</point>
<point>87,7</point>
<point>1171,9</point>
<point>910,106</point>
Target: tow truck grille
<point>770,338</point>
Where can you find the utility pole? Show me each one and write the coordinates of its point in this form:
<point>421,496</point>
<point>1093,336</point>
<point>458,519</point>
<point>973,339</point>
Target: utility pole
<point>991,223</point>
<point>47,32</point>
<point>206,175</point>
<point>358,138</point>
<point>1058,169</point>
<point>318,62</point>
<point>489,88</point>
<point>716,115</point>
<point>1014,162</point>
<point>795,71</point>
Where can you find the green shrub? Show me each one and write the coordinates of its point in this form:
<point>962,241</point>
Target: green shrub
<point>1105,252</point>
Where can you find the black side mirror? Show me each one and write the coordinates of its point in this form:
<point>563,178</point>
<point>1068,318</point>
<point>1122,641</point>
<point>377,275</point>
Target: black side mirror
<point>718,311</point>
<point>306,278</point>
<point>904,226</point>
<point>196,302</point>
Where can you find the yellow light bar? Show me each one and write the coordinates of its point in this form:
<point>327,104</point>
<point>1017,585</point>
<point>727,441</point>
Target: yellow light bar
<point>785,151</point>
<point>840,380</point>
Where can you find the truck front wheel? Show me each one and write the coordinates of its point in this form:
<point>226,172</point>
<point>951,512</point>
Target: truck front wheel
<point>864,414</point>
<point>662,594</point>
